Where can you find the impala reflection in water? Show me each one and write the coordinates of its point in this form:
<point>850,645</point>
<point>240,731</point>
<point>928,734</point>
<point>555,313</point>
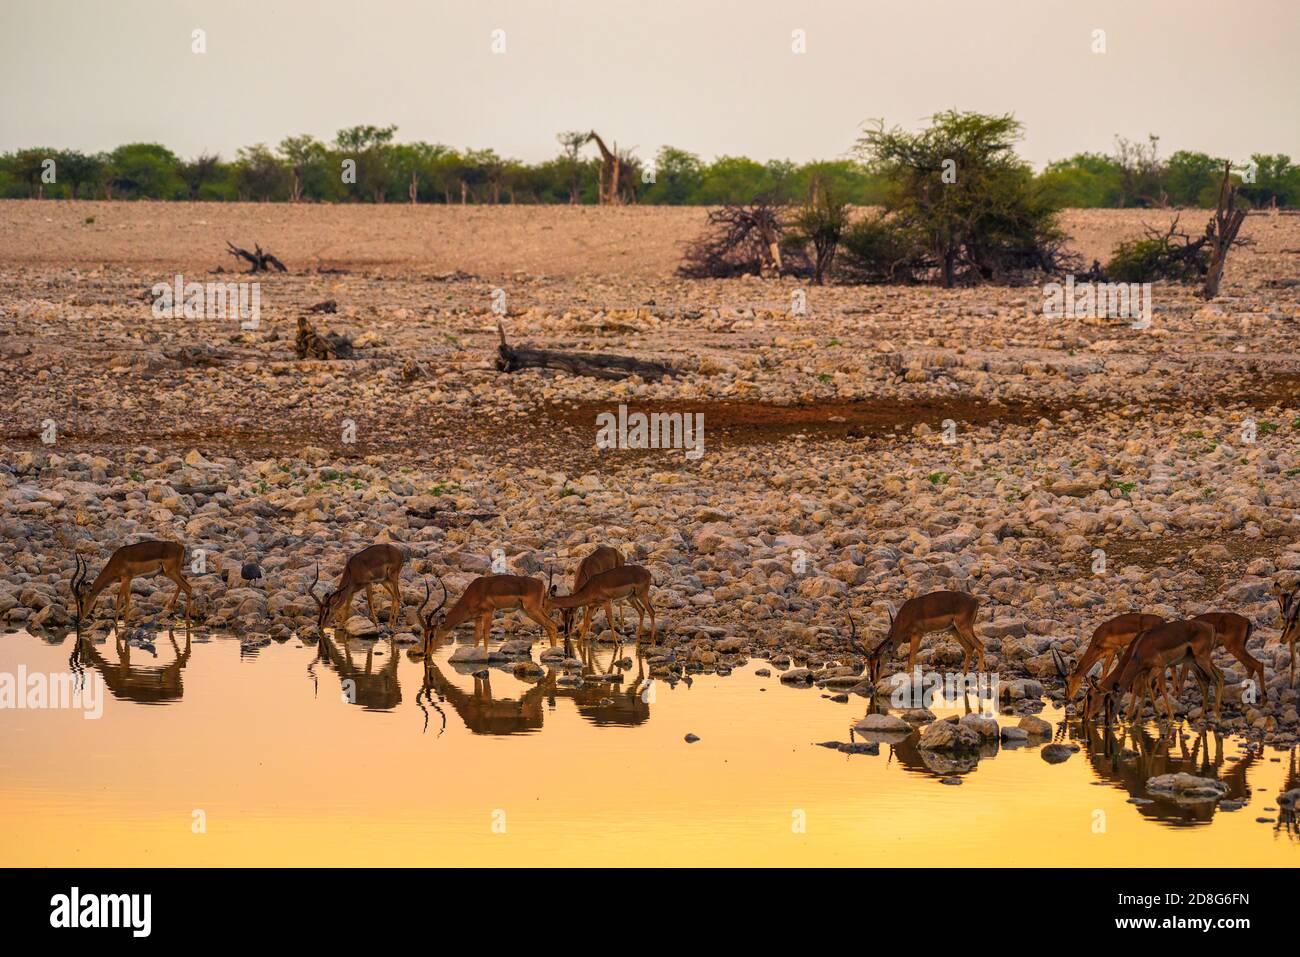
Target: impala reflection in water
<point>402,760</point>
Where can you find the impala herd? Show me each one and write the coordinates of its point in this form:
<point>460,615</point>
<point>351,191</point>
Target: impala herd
<point>1135,650</point>
<point>601,579</point>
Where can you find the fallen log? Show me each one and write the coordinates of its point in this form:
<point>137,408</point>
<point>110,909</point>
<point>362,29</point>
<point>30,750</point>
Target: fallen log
<point>215,488</point>
<point>449,519</point>
<point>593,364</point>
<point>199,356</point>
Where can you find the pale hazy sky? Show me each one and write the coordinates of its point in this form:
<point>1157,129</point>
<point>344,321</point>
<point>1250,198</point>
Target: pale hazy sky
<point>711,76</point>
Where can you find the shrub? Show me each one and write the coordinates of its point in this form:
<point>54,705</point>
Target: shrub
<point>1170,255</point>
<point>819,223</point>
<point>878,249</point>
<point>739,241</point>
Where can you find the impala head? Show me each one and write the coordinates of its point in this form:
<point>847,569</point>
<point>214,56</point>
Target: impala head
<point>431,622</point>
<point>80,586</point>
<point>327,607</point>
<point>876,656</point>
<point>567,615</point>
<point>1095,697</point>
<point>1065,668</point>
<point>1291,621</point>
<point>1285,598</point>
<point>1288,600</point>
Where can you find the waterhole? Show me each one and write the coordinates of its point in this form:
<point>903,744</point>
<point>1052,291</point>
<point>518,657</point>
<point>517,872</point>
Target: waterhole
<point>346,753</point>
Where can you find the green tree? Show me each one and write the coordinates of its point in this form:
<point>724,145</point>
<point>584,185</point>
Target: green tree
<point>260,175</point>
<point>81,171</point>
<point>28,167</point>
<point>1276,180</point>
<point>371,148</point>
<point>1142,173</point>
<point>307,160</point>
<point>1190,178</point>
<point>678,175</point>
<point>734,180</point>
<point>202,175</point>
<point>1084,181</point>
<point>144,171</point>
<point>960,184</point>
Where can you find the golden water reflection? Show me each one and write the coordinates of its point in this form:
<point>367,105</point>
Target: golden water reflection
<point>347,752</point>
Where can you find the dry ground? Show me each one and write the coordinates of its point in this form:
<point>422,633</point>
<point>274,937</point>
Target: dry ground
<point>839,408</point>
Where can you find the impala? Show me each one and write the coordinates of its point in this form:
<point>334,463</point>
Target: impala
<point>629,583</point>
<point>1290,621</point>
<point>601,560</point>
<point>1108,641</point>
<point>1154,651</point>
<point>377,565</point>
<point>1232,631</point>
<point>937,611</point>
<point>483,597</point>
<point>140,560</point>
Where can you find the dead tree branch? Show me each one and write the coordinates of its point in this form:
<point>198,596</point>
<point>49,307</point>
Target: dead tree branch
<point>258,260</point>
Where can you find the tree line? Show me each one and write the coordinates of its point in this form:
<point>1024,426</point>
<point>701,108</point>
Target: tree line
<point>366,164</point>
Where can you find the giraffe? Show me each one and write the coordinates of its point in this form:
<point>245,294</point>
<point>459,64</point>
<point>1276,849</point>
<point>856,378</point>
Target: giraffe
<point>612,168</point>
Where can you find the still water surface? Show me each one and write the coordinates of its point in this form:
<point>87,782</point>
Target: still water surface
<point>264,750</point>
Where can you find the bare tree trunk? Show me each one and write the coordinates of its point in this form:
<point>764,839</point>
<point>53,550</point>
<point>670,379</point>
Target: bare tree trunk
<point>1222,232</point>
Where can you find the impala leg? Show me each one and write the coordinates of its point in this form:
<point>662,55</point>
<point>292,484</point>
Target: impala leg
<point>487,628</point>
<point>640,617</point>
<point>1206,664</point>
<point>609,618</point>
<point>548,626</point>
<point>394,587</point>
<point>1139,697</point>
<point>1164,691</point>
<point>966,649</point>
<point>370,602</point>
<point>913,647</point>
<point>966,630</point>
<point>1110,661</point>
<point>181,585</point>
<point>124,590</point>
<point>1252,665</point>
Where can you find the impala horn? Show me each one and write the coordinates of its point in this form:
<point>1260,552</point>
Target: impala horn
<point>311,589</point>
<point>428,619</point>
<point>78,580</point>
<point>1059,662</point>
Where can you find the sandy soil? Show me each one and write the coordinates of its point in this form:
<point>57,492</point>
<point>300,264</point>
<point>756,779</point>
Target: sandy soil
<point>491,241</point>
